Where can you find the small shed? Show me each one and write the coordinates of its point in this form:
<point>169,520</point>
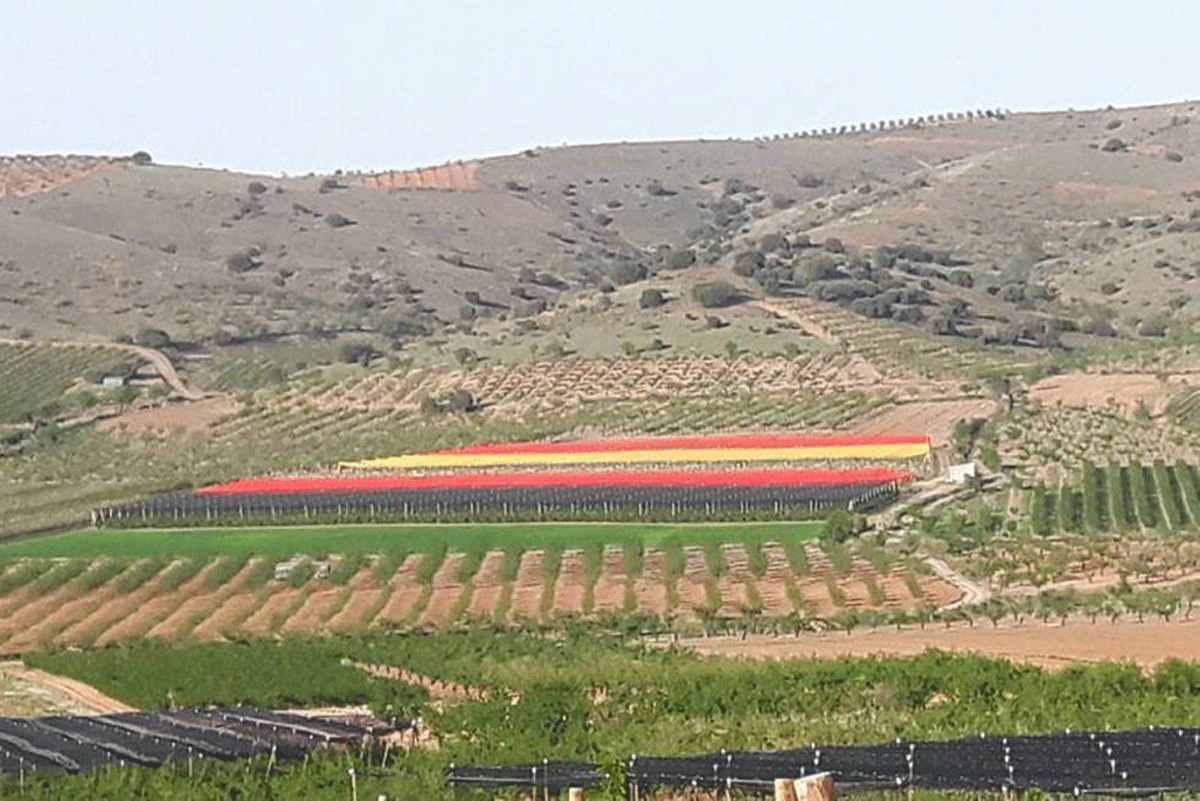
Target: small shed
<point>959,473</point>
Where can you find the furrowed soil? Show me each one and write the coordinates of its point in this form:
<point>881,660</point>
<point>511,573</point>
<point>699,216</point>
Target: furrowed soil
<point>71,615</point>
<point>184,620</point>
<point>155,608</point>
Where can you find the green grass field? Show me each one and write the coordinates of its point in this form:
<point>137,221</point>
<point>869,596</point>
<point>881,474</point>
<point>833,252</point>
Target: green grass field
<point>319,540</point>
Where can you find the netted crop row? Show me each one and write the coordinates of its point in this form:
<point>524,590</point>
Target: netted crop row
<point>74,743</point>
<point>1116,762</point>
<point>588,501</point>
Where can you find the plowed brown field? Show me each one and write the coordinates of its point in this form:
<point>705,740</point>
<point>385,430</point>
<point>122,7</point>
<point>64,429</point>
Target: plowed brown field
<point>70,615</point>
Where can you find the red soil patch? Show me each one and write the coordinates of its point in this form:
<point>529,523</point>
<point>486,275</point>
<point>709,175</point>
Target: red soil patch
<point>446,590</point>
<point>609,593</point>
<point>458,176</point>
<point>527,589</point>
<point>22,616</point>
<point>356,608</point>
<point>29,175</point>
<point>568,590</point>
<point>226,616</point>
<point>58,619</point>
<point>488,587</point>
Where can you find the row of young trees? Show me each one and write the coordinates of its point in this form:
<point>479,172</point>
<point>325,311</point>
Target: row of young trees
<point>1118,498</point>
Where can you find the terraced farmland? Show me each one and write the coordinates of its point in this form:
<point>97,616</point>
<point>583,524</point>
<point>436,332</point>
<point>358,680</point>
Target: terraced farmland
<point>93,602</point>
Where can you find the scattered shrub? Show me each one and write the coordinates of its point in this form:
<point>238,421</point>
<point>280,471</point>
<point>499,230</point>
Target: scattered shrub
<point>256,187</point>
<point>152,338</point>
<point>242,262</point>
<point>681,259</point>
<point>625,272</point>
<point>716,294</point>
<point>651,299</point>
<point>336,220</point>
<point>1113,145</point>
<point>141,158</point>
<point>1171,155</point>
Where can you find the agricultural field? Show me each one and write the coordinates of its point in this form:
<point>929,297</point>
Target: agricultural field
<point>435,576</point>
<point>48,380</point>
<point>589,695</point>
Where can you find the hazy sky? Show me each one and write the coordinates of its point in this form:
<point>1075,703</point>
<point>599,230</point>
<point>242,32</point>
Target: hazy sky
<point>302,86</point>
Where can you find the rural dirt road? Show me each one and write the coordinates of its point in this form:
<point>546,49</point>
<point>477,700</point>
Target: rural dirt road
<point>973,591</point>
<point>75,693</point>
<point>156,358</point>
<point>1051,646</point>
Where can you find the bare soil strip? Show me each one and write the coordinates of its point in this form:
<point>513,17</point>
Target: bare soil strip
<point>259,622</point>
<point>58,620</point>
<point>229,614</point>
<point>406,591</point>
<point>487,586</point>
<point>735,580</point>
<point>649,588</point>
<point>437,688</point>
<point>311,614</point>
<point>353,614</point>
<point>80,694</point>
<point>568,590</point>
<point>691,587</point>
<point>446,590</point>
<point>363,596</point>
<point>609,592</point>
<point>192,611</point>
<point>107,614</point>
<point>527,590</point>
<point>156,608</point>
<point>774,583</point>
<point>1079,642</point>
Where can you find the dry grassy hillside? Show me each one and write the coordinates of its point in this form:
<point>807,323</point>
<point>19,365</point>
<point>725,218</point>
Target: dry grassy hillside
<point>212,257</point>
